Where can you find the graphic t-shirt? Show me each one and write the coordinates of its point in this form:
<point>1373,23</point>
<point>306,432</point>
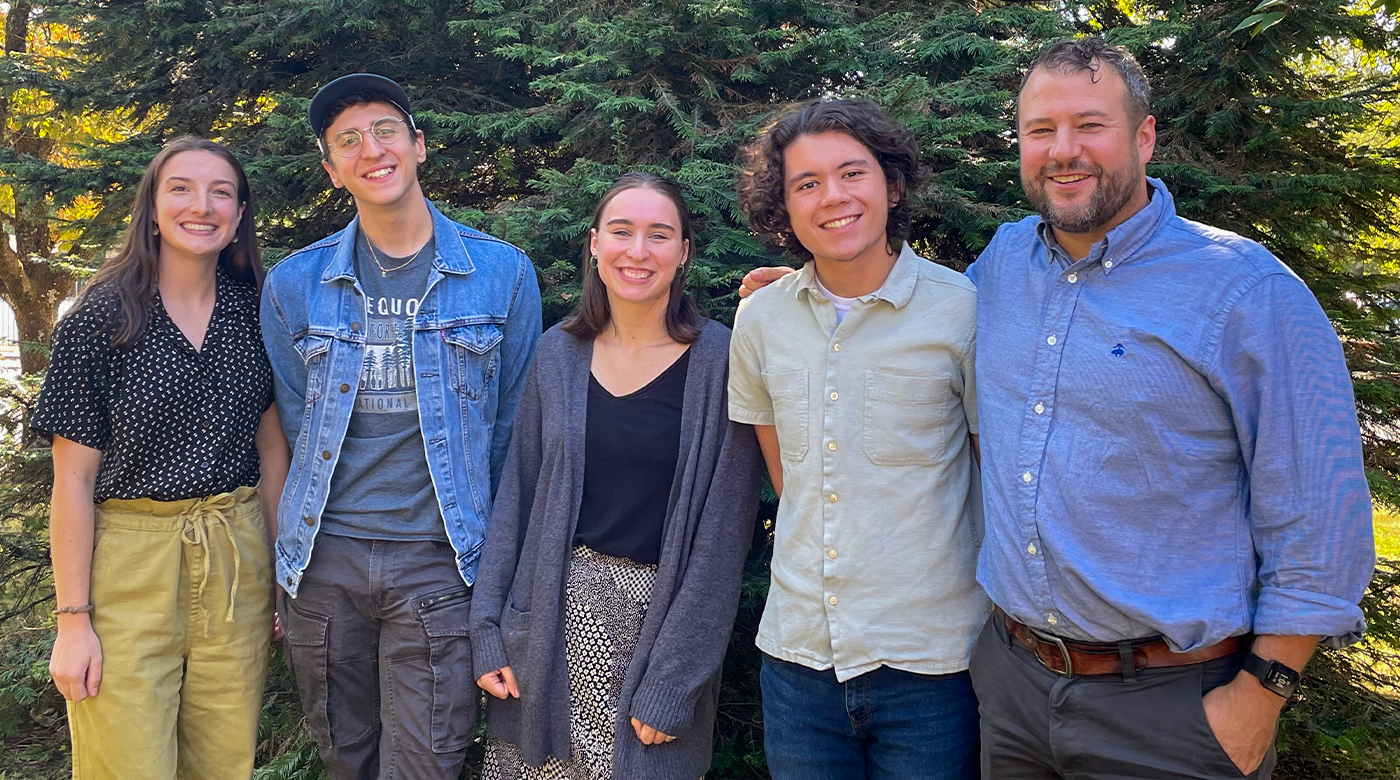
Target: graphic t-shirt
<point>381,488</point>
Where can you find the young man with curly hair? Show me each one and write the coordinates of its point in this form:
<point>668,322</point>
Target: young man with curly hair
<point>858,373</point>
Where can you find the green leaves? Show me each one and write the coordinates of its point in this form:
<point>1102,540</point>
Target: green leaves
<point>1261,19</point>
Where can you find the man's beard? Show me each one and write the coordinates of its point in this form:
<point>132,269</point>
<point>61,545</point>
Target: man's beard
<point>1115,188</point>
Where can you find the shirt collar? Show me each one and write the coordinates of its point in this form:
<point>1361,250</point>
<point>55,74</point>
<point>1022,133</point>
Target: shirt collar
<point>1121,244</point>
<point>897,289</point>
<point>450,254</point>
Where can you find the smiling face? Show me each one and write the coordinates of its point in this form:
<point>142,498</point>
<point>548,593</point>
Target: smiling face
<point>639,246</point>
<point>837,198</point>
<point>196,205</point>
<point>380,174</point>
<point>1082,158</point>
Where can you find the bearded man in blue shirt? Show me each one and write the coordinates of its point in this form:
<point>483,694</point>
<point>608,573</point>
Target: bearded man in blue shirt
<point>1176,508</point>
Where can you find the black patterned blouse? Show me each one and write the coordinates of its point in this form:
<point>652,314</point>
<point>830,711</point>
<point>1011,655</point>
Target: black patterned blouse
<point>171,422</point>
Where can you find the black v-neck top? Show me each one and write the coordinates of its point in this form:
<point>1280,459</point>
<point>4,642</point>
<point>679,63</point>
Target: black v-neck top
<point>631,446</point>
<point>171,422</point>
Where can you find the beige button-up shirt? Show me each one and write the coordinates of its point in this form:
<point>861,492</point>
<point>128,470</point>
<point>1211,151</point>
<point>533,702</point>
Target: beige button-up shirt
<point>879,526</point>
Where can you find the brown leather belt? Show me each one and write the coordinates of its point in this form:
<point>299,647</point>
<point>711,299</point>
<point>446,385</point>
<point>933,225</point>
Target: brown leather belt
<point>1069,658</point>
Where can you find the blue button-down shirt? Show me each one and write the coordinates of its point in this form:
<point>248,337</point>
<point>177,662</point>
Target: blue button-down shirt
<point>1169,439</point>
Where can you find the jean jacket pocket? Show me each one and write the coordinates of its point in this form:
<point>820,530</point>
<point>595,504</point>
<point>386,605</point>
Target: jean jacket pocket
<point>473,357</point>
<point>315,352</point>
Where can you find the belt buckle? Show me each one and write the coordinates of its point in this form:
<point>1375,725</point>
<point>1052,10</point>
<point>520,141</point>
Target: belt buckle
<point>1059,643</point>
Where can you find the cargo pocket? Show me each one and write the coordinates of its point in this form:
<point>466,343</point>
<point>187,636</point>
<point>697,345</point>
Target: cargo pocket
<point>305,637</point>
<point>444,617</point>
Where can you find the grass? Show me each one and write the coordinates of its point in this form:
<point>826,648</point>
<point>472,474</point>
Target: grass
<point>1387,525</point>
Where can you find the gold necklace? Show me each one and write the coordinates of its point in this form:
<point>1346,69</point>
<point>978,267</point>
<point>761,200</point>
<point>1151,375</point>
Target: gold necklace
<point>385,271</point>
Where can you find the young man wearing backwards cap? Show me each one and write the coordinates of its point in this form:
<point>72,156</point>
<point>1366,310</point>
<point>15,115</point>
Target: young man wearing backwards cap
<point>399,346</point>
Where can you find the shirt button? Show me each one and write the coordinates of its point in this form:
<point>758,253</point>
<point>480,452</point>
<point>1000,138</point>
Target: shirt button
<point>309,520</point>
<point>355,327</point>
<point>831,554</point>
<point>1051,340</point>
<point>289,580</point>
<point>1040,408</point>
<point>836,347</point>
<point>832,601</point>
<point>1026,477</point>
<point>831,446</point>
<point>1052,620</point>
<point>1108,264</point>
<point>344,388</point>
<point>833,396</point>
<point>1072,278</point>
<point>208,424</point>
<point>831,498</point>
<point>1030,548</point>
<point>326,455</point>
<point>204,464</point>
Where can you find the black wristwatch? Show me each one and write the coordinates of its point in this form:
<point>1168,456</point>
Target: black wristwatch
<point>1273,675</point>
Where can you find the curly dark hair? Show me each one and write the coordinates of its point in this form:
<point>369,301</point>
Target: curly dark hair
<point>760,183</point>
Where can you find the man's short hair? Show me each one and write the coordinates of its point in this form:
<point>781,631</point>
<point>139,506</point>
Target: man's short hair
<point>761,183</point>
<point>1069,56</point>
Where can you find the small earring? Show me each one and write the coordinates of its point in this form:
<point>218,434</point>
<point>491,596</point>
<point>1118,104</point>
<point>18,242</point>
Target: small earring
<point>155,229</point>
<point>235,239</point>
<point>593,261</point>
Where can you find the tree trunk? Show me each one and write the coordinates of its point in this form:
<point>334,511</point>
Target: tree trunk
<point>29,282</point>
<point>36,321</point>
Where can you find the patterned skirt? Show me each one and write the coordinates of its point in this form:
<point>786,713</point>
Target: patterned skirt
<point>605,602</point>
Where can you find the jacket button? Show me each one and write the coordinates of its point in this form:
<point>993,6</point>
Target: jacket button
<point>309,520</point>
<point>344,388</point>
<point>325,454</point>
<point>355,327</point>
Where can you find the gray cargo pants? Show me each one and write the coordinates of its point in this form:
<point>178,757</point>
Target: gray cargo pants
<point>377,642</point>
<point>1037,725</point>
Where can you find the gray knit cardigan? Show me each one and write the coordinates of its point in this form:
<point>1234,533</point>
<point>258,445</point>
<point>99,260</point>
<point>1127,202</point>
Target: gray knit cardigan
<point>517,615</point>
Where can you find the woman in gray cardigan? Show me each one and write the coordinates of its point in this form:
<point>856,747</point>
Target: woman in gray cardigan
<point>611,570</point>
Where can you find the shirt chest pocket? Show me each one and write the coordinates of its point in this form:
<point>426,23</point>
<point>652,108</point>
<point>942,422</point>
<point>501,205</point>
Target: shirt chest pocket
<point>906,419</point>
<point>473,356</point>
<point>788,391</point>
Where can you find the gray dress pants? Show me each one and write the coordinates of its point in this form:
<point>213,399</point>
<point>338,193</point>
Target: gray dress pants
<point>377,642</point>
<point>1037,725</point>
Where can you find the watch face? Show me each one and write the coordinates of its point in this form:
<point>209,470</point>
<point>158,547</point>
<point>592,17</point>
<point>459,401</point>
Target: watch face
<point>1278,679</point>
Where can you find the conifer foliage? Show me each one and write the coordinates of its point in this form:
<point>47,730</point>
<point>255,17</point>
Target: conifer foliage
<point>531,107</point>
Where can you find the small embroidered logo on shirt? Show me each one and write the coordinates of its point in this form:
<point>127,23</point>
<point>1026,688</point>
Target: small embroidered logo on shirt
<point>1118,350</point>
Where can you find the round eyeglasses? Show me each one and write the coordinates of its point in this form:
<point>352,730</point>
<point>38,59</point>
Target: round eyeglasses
<point>387,131</point>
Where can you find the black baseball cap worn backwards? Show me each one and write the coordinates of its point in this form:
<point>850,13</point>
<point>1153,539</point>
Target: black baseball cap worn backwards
<point>332,93</point>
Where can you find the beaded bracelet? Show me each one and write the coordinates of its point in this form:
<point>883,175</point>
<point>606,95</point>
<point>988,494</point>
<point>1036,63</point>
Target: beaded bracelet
<point>73,610</point>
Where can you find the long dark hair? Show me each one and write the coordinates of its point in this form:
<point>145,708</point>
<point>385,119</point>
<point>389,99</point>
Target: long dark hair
<point>132,273</point>
<point>683,314</point>
<point>760,184</point>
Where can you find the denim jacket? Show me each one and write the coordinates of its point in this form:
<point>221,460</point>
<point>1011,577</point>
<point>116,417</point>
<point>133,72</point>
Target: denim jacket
<point>473,337</point>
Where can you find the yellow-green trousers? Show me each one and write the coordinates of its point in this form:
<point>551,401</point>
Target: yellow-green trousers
<point>183,608</point>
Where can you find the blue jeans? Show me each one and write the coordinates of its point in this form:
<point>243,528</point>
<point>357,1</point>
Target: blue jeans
<point>883,725</point>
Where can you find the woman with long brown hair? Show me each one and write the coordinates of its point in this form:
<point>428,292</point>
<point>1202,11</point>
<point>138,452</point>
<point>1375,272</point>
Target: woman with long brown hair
<point>611,570</point>
<point>158,401</point>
